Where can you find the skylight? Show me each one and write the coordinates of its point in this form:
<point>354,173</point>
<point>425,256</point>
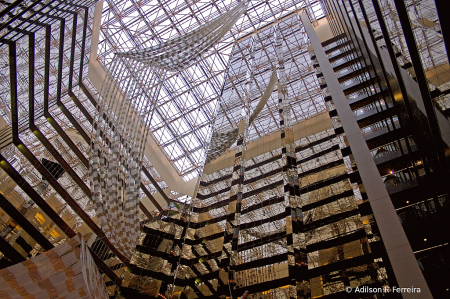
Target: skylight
<point>187,105</point>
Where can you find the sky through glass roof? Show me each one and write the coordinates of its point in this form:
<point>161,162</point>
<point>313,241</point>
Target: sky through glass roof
<point>187,104</point>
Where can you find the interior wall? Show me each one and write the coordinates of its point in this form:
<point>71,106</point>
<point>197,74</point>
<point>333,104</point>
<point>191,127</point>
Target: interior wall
<point>323,30</point>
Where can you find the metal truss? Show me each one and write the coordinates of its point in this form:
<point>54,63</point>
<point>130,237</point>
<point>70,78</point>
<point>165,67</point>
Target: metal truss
<point>188,102</point>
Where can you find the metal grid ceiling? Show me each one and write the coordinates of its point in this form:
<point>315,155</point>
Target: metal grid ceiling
<point>187,105</point>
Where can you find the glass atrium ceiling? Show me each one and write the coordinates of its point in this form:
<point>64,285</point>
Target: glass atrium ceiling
<point>187,104</point>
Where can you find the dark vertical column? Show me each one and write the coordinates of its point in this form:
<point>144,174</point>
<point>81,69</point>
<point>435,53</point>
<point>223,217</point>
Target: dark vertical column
<point>381,75</point>
<point>443,7</point>
<point>422,81</point>
<point>401,84</point>
<point>397,246</point>
<point>237,177</point>
<point>296,243</point>
<point>13,91</point>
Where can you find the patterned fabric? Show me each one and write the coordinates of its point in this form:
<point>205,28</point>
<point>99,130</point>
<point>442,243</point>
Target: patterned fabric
<point>220,142</point>
<point>67,271</point>
<point>125,108</point>
<point>117,151</point>
<point>178,53</point>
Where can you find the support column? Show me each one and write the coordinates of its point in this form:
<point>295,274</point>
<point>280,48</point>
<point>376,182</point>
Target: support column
<point>402,259</point>
<point>237,178</point>
<point>296,243</point>
<point>423,86</point>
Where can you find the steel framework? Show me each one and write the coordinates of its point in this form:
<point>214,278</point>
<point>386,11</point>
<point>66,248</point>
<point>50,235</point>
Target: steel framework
<point>187,105</point>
